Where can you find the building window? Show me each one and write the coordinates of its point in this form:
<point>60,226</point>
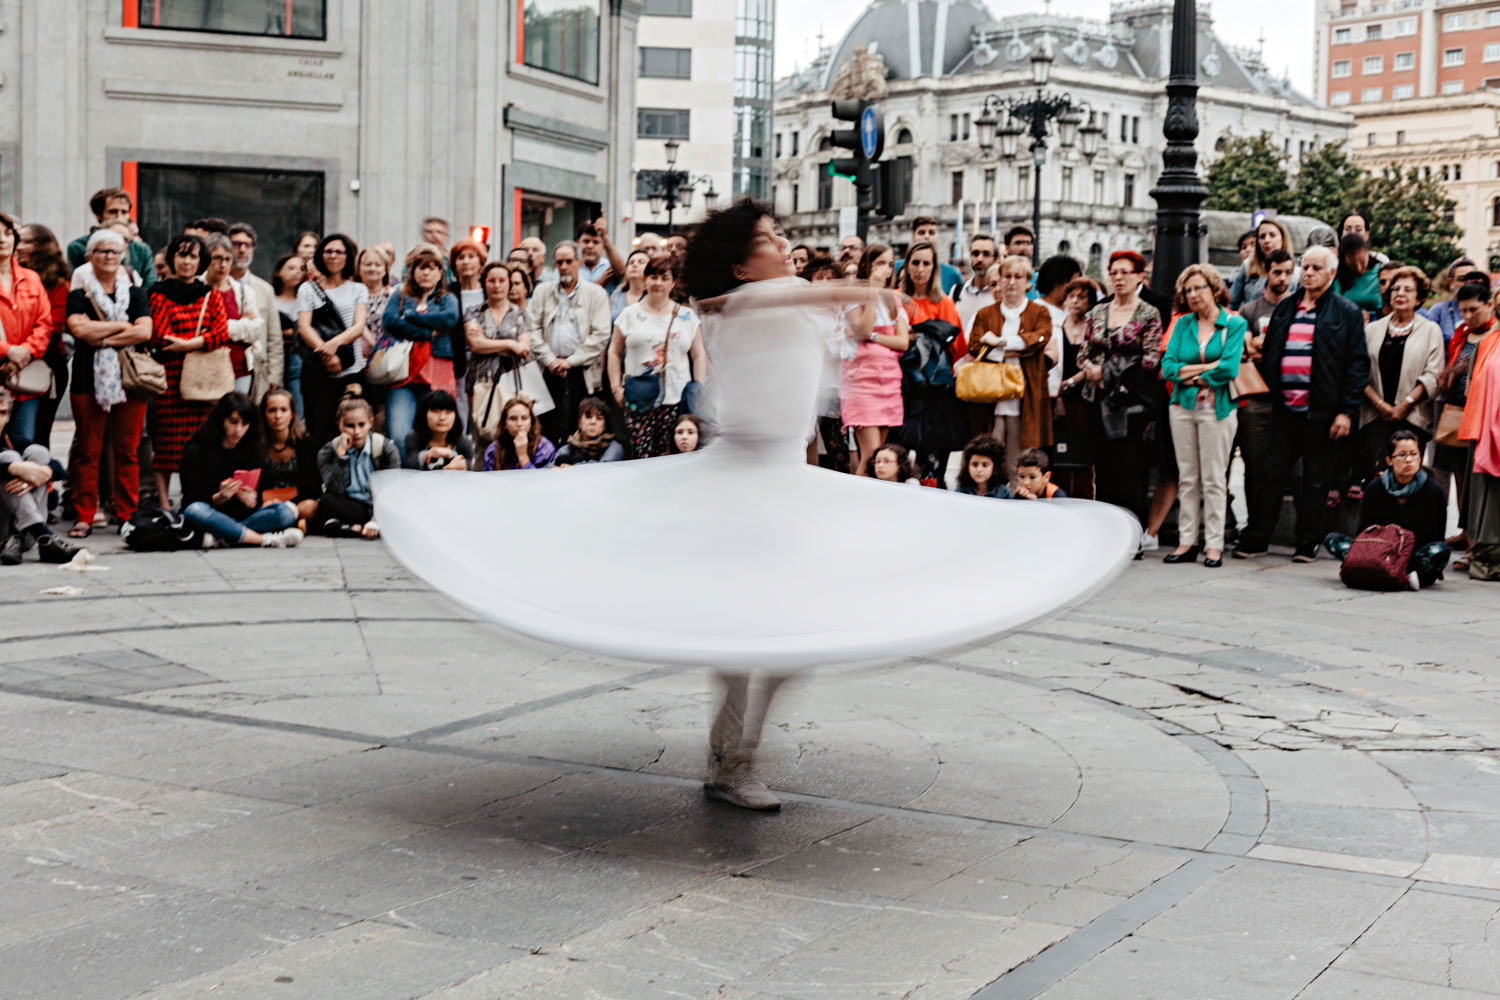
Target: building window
<point>1453,57</point>
<point>1104,123</point>
<point>752,72</point>
<point>1129,198</point>
<point>669,8</point>
<point>1343,68</point>
<point>1404,60</point>
<point>1453,87</point>
<point>966,126</point>
<point>1453,22</point>
<point>903,137</point>
<point>1371,94</point>
<point>662,123</point>
<point>1373,65</point>
<point>273,18</point>
<point>1444,173</point>
<point>1098,187</point>
<point>1401,137</point>
<point>796,193</point>
<point>958,186</point>
<point>1492,19</point>
<point>1124,128</point>
<point>1406,26</point>
<point>825,188</point>
<point>280,204</point>
<point>1067,184</point>
<point>953,128</point>
<point>754,19</point>
<point>1492,52</point>
<point>1023,183</point>
<point>1370,140</point>
<point>795,137</point>
<point>1338,98</point>
<point>1458,171</point>
<point>752,126</point>
<point>562,36</point>
<point>668,64</point>
<point>1373,33</point>
<point>778,145</point>
<point>1495,214</point>
<point>1342,36</point>
<point>1402,92</point>
<point>989,184</point>
<point>1135,129</point>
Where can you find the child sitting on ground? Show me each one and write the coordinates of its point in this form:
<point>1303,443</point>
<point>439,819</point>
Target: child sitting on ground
<point>436,442</point>
<point>1034,478</point>
<point>980,470</point>
<point>592,442</point>
<point>347,464</point>
<point>893,464</point>
<point>687,435</point>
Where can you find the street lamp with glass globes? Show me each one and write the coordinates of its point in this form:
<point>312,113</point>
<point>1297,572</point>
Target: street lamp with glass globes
<point>672,187</point>
<point>1008,119</point>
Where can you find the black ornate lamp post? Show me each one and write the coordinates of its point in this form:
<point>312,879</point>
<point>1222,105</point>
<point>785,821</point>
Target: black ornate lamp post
<point>672,187</point>
<point>1032,116</point>
<point>1179,193</point>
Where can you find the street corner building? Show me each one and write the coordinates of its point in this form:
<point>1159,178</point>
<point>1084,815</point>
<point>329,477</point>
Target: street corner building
<point>932,63</point>
<point>357,116</point>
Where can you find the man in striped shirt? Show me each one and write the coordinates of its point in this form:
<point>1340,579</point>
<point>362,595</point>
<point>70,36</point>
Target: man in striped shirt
<point>1316,365</point>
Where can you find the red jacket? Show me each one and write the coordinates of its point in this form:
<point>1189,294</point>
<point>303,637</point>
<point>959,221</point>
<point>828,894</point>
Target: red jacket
<point>25,313</point>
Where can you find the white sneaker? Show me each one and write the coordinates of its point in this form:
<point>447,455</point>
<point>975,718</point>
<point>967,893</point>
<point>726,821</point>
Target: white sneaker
<point>212,541</point>
<point>1413,582</point>
<point>1149,542</point>
<point>287,539</point>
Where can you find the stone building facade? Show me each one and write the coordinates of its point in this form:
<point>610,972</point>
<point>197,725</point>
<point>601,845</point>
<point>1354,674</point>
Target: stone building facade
<point>943,57</point>
<point>360,116</point>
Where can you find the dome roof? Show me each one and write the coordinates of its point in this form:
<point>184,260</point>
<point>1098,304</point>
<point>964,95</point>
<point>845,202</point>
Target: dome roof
<point>915,37</point>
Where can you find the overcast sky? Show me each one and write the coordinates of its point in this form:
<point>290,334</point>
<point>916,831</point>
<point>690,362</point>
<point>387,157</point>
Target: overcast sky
<point>1287,25</point>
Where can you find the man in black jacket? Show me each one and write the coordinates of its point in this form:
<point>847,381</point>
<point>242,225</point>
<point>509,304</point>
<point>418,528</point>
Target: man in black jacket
<point>1316,363</point>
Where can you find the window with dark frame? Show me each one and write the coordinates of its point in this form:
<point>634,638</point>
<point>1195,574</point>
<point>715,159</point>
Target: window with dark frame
<point>669,8</point>
<point>301,19</point>
<point>278,204</point>
<point>663,123</point>
<point>666,64</point>
<point>958,186</point>
<point>562,36</point>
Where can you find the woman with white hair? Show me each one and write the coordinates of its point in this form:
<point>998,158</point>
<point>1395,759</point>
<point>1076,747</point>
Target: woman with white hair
<point>108,314</point>
<point>245,326</point>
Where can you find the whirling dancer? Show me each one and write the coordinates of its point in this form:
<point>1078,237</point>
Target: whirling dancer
<point>791,573</point>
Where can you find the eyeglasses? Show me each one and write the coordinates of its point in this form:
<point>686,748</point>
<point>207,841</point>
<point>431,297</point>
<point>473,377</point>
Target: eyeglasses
<point>242,244</point>
<point>106,252</point>
<point>331,252</point>
<point>1195,289</point>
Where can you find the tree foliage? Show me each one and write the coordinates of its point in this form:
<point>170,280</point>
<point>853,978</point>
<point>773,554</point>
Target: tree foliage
<point>1250,173</point>
<point>1326,181</point>
<point>1409,215</point>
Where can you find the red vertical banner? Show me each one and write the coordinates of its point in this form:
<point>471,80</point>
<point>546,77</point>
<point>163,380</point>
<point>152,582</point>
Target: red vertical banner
<point>129,183</point>
<point>521,32</point>
<point>515,225</point>
<point>132,17</point>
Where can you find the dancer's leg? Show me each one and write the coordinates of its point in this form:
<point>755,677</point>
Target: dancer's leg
<point>732,741</point>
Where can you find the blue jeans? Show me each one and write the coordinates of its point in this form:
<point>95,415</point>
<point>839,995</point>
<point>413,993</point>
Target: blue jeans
<point>276,517</point>
<point>23,420</point>
<point>1428,562</point>
<point>294,379</point>
<point>401,412</point>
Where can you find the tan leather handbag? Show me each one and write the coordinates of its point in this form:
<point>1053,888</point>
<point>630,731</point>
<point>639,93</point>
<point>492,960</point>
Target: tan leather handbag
<point>206,375</point>
<point>983,381</point>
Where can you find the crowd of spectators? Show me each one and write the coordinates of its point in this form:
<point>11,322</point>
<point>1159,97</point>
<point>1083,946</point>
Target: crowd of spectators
<point>259,410</point>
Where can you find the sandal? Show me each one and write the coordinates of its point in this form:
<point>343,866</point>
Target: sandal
<point>80,529</point>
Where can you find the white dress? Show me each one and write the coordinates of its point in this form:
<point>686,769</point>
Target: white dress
<point>762,561</point>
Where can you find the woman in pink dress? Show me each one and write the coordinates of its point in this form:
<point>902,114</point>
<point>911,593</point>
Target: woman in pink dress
<point>878,336</point>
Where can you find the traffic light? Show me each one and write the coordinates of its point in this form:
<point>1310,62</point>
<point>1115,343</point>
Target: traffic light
<point>865,141</point>
<point>889,190</point>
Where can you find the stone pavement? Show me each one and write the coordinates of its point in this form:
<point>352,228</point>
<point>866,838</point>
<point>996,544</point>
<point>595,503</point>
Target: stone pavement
<point>303,775</point>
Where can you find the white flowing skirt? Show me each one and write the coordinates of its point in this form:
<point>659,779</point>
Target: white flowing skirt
<point>729,560</point>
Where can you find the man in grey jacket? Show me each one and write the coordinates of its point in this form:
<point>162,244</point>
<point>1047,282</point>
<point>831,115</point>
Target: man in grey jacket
<point>270,361</point>
<point>570,320</point>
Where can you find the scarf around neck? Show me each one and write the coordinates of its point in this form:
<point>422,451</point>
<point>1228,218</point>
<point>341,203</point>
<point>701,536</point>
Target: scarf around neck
<point>109,386</point>
<point>1395,489</point>
<point>589,449</point>
<point>179,292</point>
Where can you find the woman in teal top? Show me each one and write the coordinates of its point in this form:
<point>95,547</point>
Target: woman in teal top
<point>1201,360</point>
<point>1359,275</point>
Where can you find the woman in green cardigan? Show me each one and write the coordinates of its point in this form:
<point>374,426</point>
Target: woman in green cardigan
<point>1201,360</point>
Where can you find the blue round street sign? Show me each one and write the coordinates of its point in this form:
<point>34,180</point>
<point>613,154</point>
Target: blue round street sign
<point>871,132</point>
